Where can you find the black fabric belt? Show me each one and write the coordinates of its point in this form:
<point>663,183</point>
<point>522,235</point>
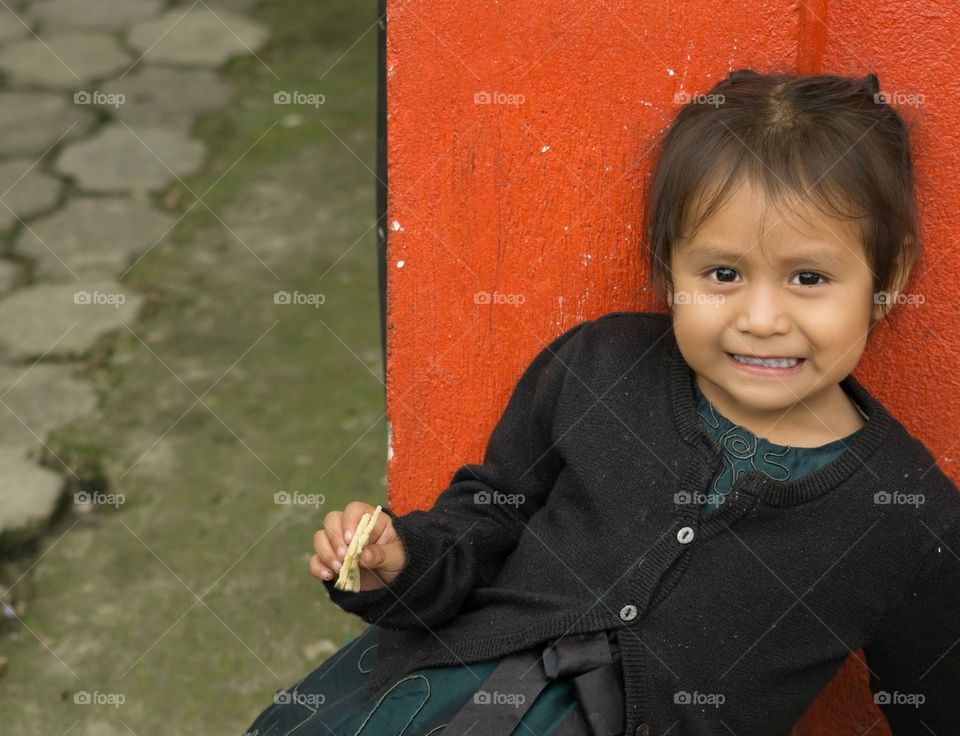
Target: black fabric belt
<point>592,660</point>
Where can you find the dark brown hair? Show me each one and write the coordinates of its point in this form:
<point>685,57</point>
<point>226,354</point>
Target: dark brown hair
<point>832,141</point>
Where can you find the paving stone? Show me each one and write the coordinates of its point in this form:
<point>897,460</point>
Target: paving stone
<point>29,495</point>
<point>200,36</point>
<point>98,15</point>
<point>30,122</point>
<point>68,60</point>
<point>39,398</point>
<point>9,274</point>
<point>12,24</point>
<point>45,319</point>
<point>93,236</point>
<point>166,96</point>
<point>119,158</point>
<point>25,190</point>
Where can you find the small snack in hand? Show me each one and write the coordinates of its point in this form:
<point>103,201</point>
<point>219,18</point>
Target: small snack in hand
<point>349,579</point>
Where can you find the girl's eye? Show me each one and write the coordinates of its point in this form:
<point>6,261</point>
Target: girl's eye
<point>726,275</point>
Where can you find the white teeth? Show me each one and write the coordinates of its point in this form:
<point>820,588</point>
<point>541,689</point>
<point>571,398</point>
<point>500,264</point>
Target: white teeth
<point>770,363</point>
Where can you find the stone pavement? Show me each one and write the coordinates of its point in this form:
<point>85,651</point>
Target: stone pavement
<point>96,110</point>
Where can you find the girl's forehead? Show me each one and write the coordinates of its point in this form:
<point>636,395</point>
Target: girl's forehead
<point>749,212</point>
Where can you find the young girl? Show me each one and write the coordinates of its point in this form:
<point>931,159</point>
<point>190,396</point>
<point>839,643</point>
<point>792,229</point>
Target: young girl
<point>684,523</point>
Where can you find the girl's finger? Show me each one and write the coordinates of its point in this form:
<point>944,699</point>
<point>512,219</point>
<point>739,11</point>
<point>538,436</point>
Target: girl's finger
<point>325,552</point>
<point>318,570</point>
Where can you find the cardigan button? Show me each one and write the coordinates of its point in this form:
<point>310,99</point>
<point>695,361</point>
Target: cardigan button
<point>628,612</point>
<point>643,730</point>
<point>685,535</point>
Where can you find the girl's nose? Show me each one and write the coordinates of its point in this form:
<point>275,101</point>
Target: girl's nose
<point>762,311</point>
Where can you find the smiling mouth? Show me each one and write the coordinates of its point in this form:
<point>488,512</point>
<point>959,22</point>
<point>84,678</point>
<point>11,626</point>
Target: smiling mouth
<point>772,364</point>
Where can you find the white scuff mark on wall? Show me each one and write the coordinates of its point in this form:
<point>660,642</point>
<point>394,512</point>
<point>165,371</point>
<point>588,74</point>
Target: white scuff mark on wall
<point>389,441</point>
<point>400,264</point>
<point>544,149</point>
<point>395,225</point>
<point>670,71</point>
<point>585,258</point>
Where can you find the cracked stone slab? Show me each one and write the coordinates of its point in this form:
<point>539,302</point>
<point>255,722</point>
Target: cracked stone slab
<point>199,36</point>
<point>30,122</point>
<point>167,97</point>
<point>97,15</point>
<point>38,399</point>
<point>120,158</point>
<point>67,60</point>
<point>63,320</point>
<point>25,191</point>
<point>93,237</point>
<point>29,496</point>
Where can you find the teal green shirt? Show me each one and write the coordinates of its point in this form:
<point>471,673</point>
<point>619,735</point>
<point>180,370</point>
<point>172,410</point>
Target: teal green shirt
<point>744,451</point>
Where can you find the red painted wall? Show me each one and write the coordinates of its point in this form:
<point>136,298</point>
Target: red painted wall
<point>535,196</point>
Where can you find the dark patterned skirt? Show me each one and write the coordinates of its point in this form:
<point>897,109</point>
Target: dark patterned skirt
<point>329,701</point>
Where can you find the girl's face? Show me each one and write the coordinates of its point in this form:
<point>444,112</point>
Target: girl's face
<point>797,290</point>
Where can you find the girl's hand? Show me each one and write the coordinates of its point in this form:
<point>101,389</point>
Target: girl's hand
<point>383,557</point>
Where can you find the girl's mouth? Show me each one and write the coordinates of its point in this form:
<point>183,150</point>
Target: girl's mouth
<point>769,367</point>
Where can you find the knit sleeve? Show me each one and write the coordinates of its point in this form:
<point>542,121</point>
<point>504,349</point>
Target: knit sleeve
<point>474,524</point>
<point>915,656</point>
